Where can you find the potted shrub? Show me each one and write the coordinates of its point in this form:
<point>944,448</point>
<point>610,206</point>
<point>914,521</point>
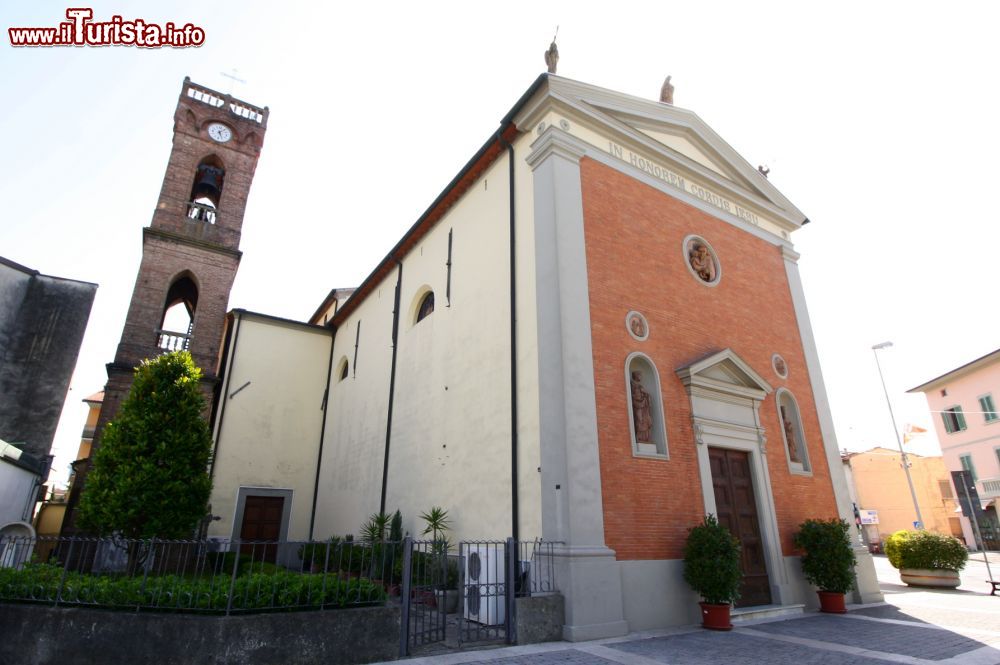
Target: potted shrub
<point>828,562</point>
<point>924,558</point>
<point>712,569</point>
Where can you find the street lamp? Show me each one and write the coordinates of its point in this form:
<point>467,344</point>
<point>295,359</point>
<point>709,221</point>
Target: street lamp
<point>899,442</point>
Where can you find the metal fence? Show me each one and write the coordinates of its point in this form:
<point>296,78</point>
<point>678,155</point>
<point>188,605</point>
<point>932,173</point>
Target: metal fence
<point>221,577</point>
<point>464,595</point>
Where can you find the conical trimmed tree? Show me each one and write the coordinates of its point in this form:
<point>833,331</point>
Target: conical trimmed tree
<point>150,475</point>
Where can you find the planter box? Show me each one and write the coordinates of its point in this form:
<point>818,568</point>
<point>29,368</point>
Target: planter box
<point>938,577</point>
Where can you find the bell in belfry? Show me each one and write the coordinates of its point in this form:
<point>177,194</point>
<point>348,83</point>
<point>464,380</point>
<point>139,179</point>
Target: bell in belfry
<point>208,183</point>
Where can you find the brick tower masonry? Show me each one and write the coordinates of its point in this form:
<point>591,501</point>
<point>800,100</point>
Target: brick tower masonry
<point>190,250</point>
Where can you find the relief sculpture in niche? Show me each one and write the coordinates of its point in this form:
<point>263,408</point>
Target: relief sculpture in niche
<point>702,261</point>
<point>642,416</point>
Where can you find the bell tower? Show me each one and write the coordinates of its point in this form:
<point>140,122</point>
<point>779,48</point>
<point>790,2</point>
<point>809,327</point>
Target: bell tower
<point>190,250</point>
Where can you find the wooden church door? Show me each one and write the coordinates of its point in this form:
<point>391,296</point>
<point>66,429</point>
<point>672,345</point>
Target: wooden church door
<point>737,511</point>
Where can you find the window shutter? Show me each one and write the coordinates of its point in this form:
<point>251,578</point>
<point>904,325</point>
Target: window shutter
<point>960,418</point>
<point>946,417</point>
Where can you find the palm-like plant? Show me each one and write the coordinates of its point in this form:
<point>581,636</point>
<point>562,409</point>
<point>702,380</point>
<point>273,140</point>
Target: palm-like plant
<point>373,531</point>
<point>438,522</point>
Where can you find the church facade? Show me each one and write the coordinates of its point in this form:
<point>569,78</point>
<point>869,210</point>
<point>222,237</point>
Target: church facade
<point>595,335</point>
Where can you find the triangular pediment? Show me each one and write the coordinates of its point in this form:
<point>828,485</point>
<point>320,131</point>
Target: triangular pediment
<point>725,372</point>
<point>673,137</point>
<point>685,146</point>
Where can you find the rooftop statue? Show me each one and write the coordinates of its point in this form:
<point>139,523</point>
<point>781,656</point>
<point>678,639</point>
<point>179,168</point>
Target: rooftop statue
<point>552,57</point>
<point>667,92</point>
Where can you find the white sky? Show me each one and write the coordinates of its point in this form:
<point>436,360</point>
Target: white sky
<point>877,119</point>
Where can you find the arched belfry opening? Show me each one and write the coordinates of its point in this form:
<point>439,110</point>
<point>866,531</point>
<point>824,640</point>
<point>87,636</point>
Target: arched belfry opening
<point>177,322</point>
<point>206,192</point>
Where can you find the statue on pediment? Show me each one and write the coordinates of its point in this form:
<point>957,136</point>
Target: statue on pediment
<point>667,92</point>
<point>552,57</point>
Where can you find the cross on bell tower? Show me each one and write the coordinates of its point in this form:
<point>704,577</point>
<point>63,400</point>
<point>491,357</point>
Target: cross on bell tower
<point>190,250</point>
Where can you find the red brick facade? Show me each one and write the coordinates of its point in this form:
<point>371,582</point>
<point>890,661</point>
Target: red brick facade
<point>635,261</point>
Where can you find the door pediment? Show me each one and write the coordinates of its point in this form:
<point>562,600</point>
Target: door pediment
<point>726,375</point>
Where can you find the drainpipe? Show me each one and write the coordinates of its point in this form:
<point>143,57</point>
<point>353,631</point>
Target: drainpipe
<point>513,342</point>
<point>392,381</point>
<point>322,434</point>
<point>223,395</point>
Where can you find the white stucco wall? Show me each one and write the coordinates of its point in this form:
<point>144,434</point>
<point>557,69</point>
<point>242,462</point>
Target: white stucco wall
<point>454,362</point>
<point>267,434</point>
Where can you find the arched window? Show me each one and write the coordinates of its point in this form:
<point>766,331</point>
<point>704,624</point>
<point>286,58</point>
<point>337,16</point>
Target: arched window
<point>645,407</point>
<point>177,322</point>
<point>426,306</point>
<point>796,451</point>
<point>206,192</point>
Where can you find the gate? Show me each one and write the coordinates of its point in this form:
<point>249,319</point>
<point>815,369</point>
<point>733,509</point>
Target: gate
<point>489,575</point>
<point>422,594</point>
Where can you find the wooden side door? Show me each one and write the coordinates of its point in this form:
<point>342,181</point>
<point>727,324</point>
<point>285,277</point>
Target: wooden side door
<point>737,511</point>
<point>261,523</point>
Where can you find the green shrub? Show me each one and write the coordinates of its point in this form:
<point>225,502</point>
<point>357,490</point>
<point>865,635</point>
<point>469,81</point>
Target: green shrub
<point>150,475</point>
<point>316,554</point>
<point>265,586</point>
<point>828,562</point>
<point>221,563</point>
<point>712,562</point>
<point>925,550</point>
<point>893,546</point>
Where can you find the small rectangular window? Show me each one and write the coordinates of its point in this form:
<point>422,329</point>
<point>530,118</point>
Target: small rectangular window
<point>988,409</point>
<point>945,486</point>
<point>967,465</point>
<point>954,420</point>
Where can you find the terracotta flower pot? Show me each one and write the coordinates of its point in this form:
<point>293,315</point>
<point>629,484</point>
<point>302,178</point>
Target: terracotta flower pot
<point>832,602</point>
<point>715,617</point>
<point>937,577</point>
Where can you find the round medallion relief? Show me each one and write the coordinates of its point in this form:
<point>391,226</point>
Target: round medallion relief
<point>779,366</point>
<point>701,260</point>
<point>636,325</point>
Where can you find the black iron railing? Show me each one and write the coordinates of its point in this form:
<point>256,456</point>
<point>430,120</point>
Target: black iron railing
<point>197,576</point>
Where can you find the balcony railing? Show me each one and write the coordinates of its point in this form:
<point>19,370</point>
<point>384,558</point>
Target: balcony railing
<point>168,341</point>
<point>202,212</point>
<point>989,488</point>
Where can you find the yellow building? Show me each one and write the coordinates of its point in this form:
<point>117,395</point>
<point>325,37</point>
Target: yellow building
<point>879,484</point>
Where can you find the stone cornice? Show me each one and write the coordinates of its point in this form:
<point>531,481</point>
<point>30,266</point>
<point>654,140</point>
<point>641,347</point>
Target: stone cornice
<point>789,254</point>
<point>194,242</point>
<point>555,141</point>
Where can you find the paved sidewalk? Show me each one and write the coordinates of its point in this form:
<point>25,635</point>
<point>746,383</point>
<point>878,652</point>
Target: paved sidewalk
<point>866,635</point>
<point>914,626</point>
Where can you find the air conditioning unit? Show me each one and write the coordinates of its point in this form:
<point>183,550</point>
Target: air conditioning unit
<point>485,590</point>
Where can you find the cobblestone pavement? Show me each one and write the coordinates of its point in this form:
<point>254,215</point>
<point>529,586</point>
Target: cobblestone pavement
<point>913,626</point>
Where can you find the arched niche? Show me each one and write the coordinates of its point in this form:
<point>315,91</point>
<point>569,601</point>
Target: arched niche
<point>647,427</point>
<point>792,434</point>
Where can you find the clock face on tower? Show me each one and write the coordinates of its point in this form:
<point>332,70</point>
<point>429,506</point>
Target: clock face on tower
<point>219,132</point>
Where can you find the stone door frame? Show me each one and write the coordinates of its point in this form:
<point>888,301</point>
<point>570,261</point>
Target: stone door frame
<point>726,394</point>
